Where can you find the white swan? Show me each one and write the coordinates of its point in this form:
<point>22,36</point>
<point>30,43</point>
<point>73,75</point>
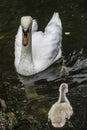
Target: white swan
<point>61,110</point>
<point>37,50</point>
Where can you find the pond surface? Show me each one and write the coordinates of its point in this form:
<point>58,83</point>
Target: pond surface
<point>31,98</point>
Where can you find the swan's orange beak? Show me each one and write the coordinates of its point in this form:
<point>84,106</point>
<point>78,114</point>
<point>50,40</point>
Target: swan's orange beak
<point>25,40</point>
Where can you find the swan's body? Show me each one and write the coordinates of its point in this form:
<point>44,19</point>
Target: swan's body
<point>43,48</point>
<point>61,110</point>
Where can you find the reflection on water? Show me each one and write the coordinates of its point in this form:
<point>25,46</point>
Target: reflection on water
<point>31,98</point>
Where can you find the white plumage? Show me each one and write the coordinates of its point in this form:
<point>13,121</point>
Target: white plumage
<point>62,109</point>
<point>44,49</point>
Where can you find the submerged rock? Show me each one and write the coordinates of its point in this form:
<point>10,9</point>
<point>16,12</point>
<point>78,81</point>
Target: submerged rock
<point>7,119</point>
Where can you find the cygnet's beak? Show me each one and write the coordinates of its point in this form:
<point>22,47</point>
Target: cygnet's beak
<point>25,37</point>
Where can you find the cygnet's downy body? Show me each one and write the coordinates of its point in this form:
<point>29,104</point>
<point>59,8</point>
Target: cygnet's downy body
<point>62,109</point>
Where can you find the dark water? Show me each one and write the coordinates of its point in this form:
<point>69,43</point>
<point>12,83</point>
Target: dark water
<point>30,99</point>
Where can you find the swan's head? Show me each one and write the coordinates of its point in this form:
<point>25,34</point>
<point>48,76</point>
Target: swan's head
<point>26,23</point>
<point>63,88</point>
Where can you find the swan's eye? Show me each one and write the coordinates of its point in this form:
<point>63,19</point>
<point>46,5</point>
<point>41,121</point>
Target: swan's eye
<point>25,32</point>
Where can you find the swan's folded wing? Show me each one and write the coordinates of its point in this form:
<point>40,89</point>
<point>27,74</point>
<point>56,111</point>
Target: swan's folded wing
<point>53,36</point>
<point>54,20</point>
<point>47,45</point>
<point>34,25</point>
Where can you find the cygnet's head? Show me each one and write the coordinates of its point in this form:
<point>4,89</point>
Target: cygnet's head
<point>26,22</point>
<point>63,88</point>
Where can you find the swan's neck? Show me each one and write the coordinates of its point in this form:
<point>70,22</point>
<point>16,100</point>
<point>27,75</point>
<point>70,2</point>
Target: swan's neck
<point>62,97</point>
<point>26,65</point>
<point>26,51</point>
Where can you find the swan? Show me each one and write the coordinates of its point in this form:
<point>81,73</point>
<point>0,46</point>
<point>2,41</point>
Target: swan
<point>36,50</point>
<point>62,109</point>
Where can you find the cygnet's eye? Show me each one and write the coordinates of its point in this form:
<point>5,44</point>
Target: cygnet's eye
<point>63,87</point>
